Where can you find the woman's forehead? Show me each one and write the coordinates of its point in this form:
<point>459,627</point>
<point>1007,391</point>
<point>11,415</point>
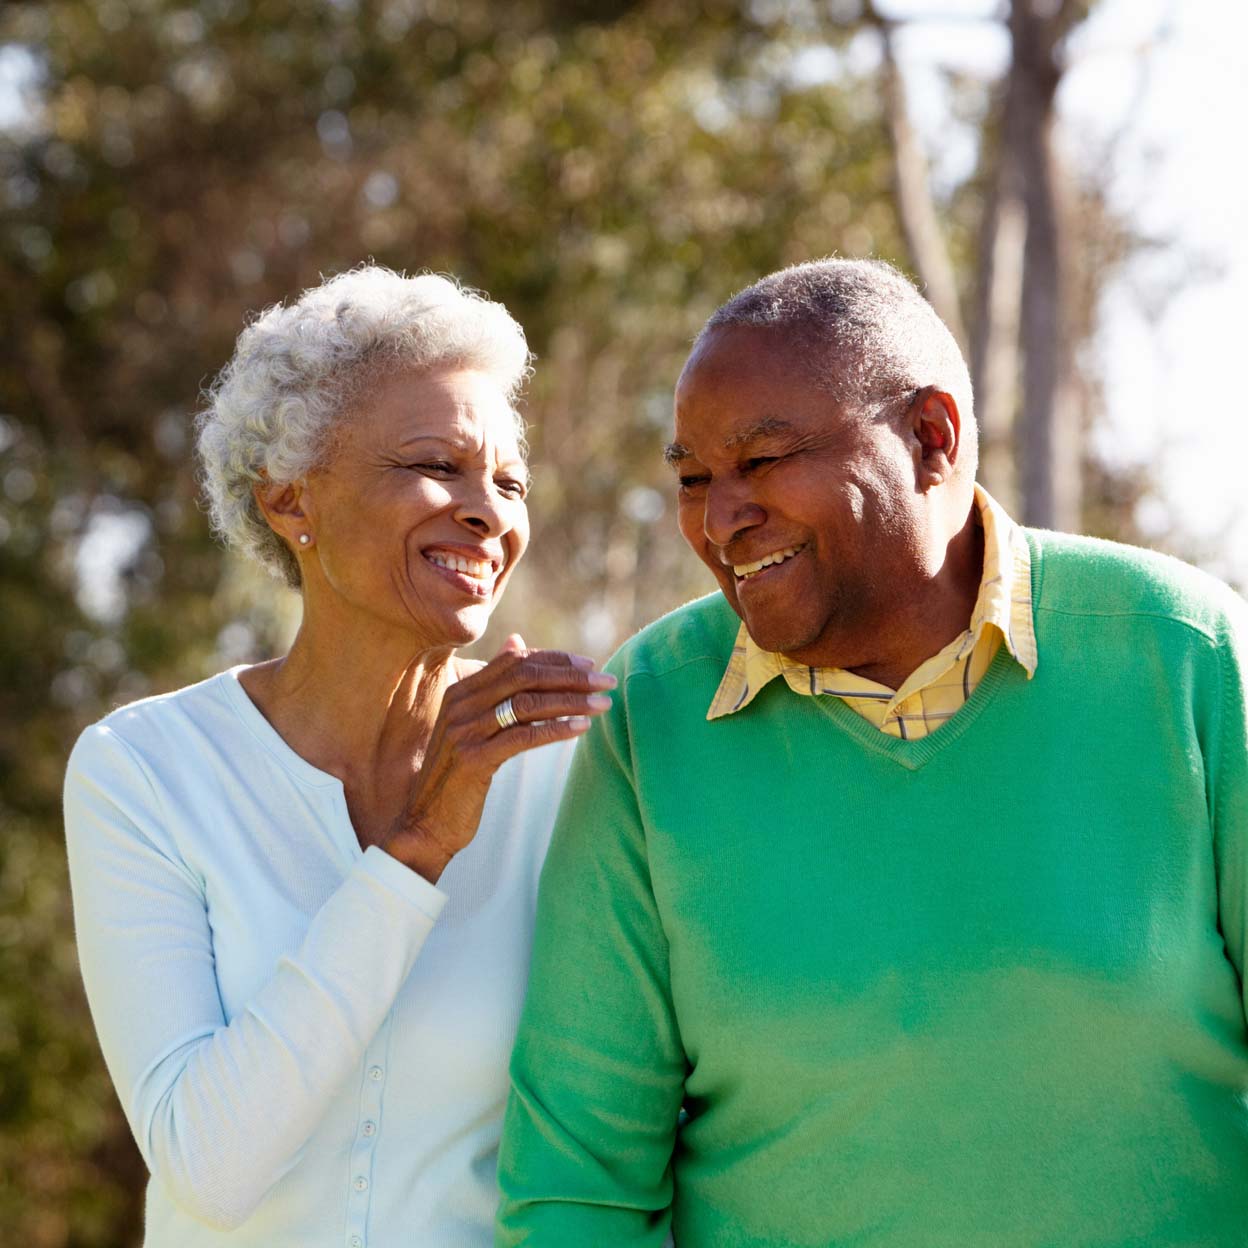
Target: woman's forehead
<point>465,408</point>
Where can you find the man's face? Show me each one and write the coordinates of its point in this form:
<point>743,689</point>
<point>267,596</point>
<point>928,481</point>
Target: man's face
<point>772,472</point>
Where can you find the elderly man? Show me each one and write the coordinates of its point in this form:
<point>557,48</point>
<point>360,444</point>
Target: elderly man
<point>900,899</point>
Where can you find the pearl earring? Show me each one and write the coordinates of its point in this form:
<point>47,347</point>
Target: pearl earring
<point>304,539</point>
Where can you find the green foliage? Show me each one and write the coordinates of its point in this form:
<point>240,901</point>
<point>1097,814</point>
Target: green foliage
<point>611,171</point>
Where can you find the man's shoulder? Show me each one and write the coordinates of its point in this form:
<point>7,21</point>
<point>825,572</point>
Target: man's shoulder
<point>1091,576</point>
<point>701,631</point>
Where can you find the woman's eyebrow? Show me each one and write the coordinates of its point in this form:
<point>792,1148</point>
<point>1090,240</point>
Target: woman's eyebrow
<point>431,437</point>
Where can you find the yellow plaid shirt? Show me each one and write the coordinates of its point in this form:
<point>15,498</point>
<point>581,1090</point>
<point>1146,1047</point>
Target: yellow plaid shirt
<point>938,688</point>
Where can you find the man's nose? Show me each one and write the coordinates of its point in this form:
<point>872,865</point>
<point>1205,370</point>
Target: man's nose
<point>730,510</point>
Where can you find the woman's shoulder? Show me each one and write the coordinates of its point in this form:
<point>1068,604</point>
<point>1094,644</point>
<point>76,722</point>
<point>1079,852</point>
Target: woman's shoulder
<point>156,726</point>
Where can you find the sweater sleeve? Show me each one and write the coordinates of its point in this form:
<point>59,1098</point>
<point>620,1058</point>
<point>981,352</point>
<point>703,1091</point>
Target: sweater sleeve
<point>220,1111</point>
<point>598,1070</point>
<point>1226,769</point>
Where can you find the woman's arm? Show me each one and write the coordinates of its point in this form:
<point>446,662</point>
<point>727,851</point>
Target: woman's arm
<point>220,1111</point>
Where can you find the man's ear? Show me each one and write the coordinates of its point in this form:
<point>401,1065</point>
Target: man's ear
<point>936,425</point>
<point>285,509</point>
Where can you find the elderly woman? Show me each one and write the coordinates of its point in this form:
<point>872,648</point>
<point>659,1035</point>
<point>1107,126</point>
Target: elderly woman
<point>303,889</point>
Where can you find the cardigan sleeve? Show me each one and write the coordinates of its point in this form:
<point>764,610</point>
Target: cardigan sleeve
<point>597,1074</point>
<point>1226,770</point>
<point>220,1110</point>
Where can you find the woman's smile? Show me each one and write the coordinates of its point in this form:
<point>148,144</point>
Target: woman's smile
<point>470,569</point>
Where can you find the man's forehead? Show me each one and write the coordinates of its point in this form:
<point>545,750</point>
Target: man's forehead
<point>736,349</point>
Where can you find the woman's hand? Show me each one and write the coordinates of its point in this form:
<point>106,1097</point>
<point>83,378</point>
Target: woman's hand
<point>553,696</point>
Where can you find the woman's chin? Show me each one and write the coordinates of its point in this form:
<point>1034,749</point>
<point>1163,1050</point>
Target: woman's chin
<point>463,627</point>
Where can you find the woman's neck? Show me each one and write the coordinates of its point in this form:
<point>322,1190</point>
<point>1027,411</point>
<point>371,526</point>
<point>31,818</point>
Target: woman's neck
<point>355,702</point>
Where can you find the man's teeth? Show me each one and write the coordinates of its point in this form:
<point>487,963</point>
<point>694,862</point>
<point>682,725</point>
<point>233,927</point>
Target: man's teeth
<point>778,556</point>
<point>457,563</point>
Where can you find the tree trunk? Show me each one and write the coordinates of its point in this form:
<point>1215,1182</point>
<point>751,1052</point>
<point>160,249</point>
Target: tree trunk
<point>1049,450</point>
<point>994,354</point>
<point>919,224</point>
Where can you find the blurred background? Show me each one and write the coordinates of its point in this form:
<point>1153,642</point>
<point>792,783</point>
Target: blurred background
<point>1063,178</point>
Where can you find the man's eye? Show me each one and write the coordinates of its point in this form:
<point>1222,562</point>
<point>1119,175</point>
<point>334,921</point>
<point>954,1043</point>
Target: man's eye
<point>512,488</point>
<point>691,483</point>
<point>759,461</point>
<point>436,465</point>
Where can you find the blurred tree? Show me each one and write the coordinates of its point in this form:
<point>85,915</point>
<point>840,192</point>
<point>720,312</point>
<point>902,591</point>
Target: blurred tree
<point>1025,325</point>
<point>611,171</point>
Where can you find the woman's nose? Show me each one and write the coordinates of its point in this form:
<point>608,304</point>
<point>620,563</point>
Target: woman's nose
<point>484,511</point>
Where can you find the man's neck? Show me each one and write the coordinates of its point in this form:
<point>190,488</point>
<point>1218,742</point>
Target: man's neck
<point>925,619</point>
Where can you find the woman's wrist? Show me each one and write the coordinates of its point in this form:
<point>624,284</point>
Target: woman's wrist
<point>418,851</point>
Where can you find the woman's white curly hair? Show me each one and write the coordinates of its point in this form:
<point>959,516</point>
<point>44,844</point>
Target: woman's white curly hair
<point>272,411</point>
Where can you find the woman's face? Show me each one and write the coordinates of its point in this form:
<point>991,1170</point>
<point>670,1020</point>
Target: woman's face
<point>419,517</point>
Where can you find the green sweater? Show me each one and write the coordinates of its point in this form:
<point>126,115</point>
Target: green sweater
<point>984,988</point>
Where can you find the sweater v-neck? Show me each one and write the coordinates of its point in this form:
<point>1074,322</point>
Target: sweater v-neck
<point>912,755</point>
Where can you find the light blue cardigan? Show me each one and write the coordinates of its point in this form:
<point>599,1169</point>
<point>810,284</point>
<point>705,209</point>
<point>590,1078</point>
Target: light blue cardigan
<point>309,1041</point>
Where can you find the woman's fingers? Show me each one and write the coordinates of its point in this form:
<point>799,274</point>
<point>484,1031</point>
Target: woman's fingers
<point>528,706</point>
<point>513,645</point>
<point>521,699</point>
<point>511,673</point>
<point>513,655</point>
<point>527,736</point>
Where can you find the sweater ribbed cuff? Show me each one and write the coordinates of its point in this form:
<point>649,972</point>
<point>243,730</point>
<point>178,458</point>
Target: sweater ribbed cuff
<point>412,887</point>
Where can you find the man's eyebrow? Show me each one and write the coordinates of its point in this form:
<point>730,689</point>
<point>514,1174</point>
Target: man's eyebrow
<point>769,426</point>
<point>764,428</point>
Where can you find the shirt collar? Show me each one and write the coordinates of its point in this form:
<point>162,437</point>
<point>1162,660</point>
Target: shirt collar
<point>1004,602</point>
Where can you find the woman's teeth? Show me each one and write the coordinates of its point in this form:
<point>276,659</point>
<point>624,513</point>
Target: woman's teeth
<point>779,556</point>
<point>457,563</point>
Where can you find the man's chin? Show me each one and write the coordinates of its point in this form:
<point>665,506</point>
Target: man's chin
<point>772,628</point>
<point>773,635</point>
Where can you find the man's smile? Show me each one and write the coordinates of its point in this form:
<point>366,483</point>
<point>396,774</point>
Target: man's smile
<point>744,571</point>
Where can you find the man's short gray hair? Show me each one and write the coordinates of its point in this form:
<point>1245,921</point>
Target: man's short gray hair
<point>871,336</point>
<point>272,412</point>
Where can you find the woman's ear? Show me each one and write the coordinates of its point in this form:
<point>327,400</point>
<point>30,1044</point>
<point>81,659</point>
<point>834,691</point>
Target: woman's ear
<point>283,506</point>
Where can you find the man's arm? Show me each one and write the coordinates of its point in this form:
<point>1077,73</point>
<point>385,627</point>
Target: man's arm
<point>1226,775</point>
<point>598,1071</point>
